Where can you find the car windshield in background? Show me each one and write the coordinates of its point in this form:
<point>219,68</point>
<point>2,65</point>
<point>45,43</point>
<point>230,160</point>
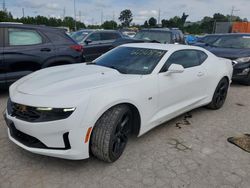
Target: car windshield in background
<point>162,37</point>
<point>130,60</point>
<point>233,42</point>
<point>210,39</point>
<point>79,36</point>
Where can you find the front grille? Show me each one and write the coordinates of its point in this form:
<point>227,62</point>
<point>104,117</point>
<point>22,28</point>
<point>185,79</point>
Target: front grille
<point>23,112</point>
<point>33,114</point>
<point>25,139</point>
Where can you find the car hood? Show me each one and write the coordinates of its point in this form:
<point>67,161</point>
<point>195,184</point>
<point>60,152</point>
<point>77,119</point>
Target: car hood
<point>230,53</point>
<point>70,78</point>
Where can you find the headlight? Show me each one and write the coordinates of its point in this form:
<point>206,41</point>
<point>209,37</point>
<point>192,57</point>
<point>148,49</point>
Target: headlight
<point>244,72</point>
<point>38,114</point>
<point>243,60</point>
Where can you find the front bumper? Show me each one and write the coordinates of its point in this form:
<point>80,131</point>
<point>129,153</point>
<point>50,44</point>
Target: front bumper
<point>241,72</point>
<point>62,138</point>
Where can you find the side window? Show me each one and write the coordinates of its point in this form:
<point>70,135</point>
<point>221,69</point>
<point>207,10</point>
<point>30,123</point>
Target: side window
<point>19,37</point>
<point>94,37</point>
<point>202,56</point>
<point>186,58</point>
<point>109,36</point>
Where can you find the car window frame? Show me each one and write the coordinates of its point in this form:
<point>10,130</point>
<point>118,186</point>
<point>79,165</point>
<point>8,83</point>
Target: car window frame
<point>114,33</point>
<point>2,37</point>
<point>6,33</point>
<point>164,69</point>
<point>93,41</point>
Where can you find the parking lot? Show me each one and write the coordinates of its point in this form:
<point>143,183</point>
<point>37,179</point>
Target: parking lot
<point>179,153</point>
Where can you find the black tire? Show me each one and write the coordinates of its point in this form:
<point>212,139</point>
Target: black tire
<point>247,81</point>
<point>220,95</point>
<point>110,133</point>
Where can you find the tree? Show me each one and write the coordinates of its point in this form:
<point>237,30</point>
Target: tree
<point>126,17</point>
<point>145,25</point>
<point>152,22</point>
<point>183,18</point>
<point>109,25</point>
<point>5,16</point>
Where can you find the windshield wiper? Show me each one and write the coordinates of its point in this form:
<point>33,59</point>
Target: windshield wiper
<point>116,68</point>
<point>90,63</point>
<point>155,41</point>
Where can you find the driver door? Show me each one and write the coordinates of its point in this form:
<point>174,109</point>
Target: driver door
<point>2,66</point>
<point>92,47</point>
<point>181,92</point>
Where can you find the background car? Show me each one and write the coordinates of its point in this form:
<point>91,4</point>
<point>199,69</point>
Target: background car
<point>27,48</point>
<point>234,46</point>
<point>74,110</point>
<point>95,42</point>
<point>207,39</point>
<point>159,35</point>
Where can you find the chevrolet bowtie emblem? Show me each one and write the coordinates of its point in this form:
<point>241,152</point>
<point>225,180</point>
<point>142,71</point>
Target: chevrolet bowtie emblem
<point>22,108</point>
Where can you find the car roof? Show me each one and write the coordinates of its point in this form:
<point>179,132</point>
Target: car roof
<point>159,46</point>
<point>156,29</point>
<point>30,26</point>
<point>226,34</point>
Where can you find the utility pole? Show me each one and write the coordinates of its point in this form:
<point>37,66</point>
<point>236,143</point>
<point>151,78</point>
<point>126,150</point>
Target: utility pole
<point>64,12</point>
<point>80,16</point>
<point>23,12</point>
<point>159,16</point>
<point>113,20</point>
<point>75,13</point>
<point>232,13</point>
<point>101,17</point>
<point>4,6</point>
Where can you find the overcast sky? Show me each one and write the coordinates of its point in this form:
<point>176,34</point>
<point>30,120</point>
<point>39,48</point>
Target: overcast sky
<point>91,10</point>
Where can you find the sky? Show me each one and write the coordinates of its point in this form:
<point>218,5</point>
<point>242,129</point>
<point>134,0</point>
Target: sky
<point>91,11</point>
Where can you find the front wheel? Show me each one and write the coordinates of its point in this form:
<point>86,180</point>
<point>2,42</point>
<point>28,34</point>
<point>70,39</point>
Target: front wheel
<point>220,95</point>
<point>110,133</point>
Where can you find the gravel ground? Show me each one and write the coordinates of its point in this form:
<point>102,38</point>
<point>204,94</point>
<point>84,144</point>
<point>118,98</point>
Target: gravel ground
<point>185,152</point>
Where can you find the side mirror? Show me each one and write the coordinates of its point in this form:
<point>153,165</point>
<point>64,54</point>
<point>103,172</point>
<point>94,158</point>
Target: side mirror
<point>87,41</point>
<point>175,68</point>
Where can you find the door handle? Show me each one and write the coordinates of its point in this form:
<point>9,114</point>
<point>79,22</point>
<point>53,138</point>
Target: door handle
<point>45,50</point>
<point>200,74</point>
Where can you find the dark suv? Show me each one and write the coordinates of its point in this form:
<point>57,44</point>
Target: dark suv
<point>27,48</point>
<point>160,35</point>
<point>234,46</point>
<point>95,42</point>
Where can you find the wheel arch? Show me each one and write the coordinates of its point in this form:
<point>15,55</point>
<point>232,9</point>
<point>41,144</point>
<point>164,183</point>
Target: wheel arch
<point>135,111</point>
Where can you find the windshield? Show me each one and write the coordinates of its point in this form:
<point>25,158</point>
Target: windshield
<point>131,60</point>
<point>233,41</point>
<point>210,39</point>
<point>79,36</point>
<point>162,37</point>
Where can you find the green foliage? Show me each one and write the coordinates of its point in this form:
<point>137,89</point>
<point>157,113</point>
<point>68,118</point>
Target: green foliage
<point>126,17</point>
<point>145,25</point>
<point>175,21</point>
<point>42,20</point>
<point>5,16</point>
<point>109,25</point>
<point>152,22</point>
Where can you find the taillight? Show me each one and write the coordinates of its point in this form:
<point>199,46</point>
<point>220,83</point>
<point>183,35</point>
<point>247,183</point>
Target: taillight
<point>77,47</point>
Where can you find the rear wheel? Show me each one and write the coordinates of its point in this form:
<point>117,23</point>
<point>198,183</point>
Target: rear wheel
<point>110,133</point>
<point>220,95</point>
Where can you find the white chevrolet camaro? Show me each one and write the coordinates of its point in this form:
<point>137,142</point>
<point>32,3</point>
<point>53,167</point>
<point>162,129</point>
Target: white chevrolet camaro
<point>73,110</point>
